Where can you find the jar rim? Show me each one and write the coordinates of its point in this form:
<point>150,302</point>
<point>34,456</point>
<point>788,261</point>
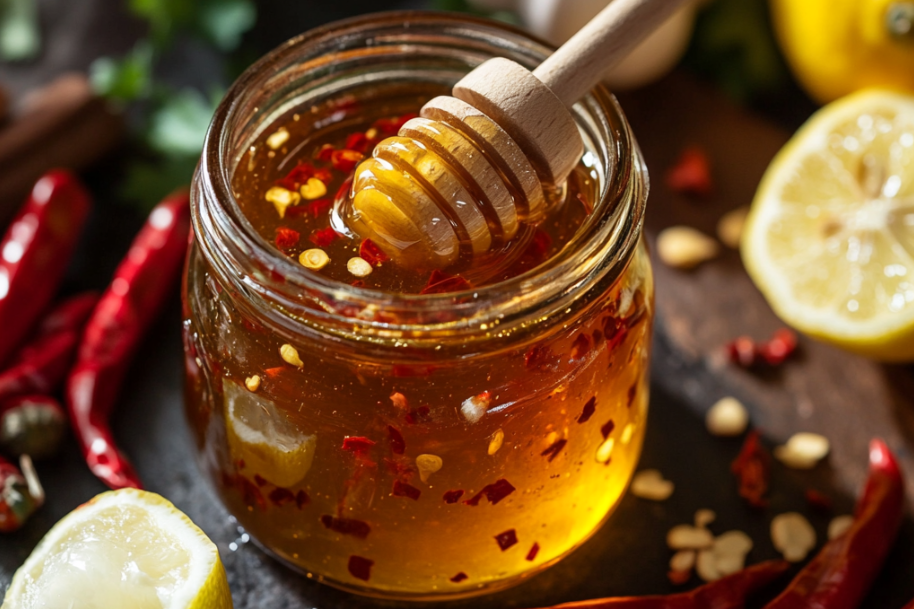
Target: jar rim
<point>612,239</point>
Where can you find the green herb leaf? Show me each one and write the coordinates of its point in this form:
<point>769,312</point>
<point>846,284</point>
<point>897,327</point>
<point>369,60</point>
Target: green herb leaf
<point>126,79</point>
<point>165,17</point>
<point>148,182</point>
<point>20,38</point>
<point>179,125</point>
<point>223,22</point>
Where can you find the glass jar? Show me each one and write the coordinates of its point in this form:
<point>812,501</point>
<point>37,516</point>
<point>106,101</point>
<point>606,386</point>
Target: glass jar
<point>424,447</point>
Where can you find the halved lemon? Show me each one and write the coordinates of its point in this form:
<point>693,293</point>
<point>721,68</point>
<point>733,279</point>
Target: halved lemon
<point>126,548</point>
<point>263,437</point>
<point>830,237</point>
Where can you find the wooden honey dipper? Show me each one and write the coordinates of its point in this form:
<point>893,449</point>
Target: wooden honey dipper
<point>459,182</point>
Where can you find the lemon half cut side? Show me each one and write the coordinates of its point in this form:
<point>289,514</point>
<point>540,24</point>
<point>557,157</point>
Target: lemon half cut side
<point>830,237</point>
<point>126,548</point>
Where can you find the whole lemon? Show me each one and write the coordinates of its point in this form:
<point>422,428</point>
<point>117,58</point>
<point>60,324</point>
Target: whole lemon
<point>836,47</point>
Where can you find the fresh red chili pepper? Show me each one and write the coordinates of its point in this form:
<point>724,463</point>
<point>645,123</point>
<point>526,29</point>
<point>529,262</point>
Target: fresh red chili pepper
<point>35,252</point>
<point>844,569</point>
<point>41,365</point>
<point>20,493</point>
<point>31,425</point>
<point>728,592</point>
<point>752,468</point>
<point>141,284</point>
<point>691,174</point>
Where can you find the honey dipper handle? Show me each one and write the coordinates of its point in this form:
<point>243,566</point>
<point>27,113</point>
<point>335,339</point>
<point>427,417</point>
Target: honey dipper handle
<point>581,62</point>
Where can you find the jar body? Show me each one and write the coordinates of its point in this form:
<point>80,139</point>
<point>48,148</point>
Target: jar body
<point>423,460</point>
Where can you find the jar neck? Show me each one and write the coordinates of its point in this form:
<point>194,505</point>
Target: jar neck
<point>327,62</point>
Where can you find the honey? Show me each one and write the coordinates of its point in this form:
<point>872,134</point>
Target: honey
<point>395,430</point>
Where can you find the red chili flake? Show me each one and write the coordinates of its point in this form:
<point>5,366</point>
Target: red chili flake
<point>325,153</point>
<point>371,253</point>
<point>357,444</point>
<point>314,209</point>
<point>273,373</point>
<point>751,468</point>
<point>345,160</point>
<point>632,392</point>
<point>441,283</point>
<point>357,141</point>
<point>534,550</point>
<point>818,501</point>
<point>400,467</point>
<point>360,567</point>
<point>397,443</point>
<point>297,176</point>
<point>391,126</point>
<point>417,415</point>
<point>589,408</point>
<point>553,451</point>
<point>507,539</point>
<point>494,492</point>
<point>607,428</point>
<point>302,499</point>
<point>281,496</point>
<point>259,480</point>
<point>286,238</point>
<point>251,494</point>
<point>678,578</point>
<point>540,358</point>
<point>453,496</point>
<point>358,283</point>
<point>402,489</point>
<point>323,174</point>
<point>459,577</point>
<point>691,174</point>
<point>580,347</point>
<point>322,237</point>
<point>346,526</point>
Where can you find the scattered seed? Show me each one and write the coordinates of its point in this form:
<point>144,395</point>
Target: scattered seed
<point>278,138</point>
<point>730,226</point>
<point>605,450</point>
<point>838,525</point>
<point>706,566</point>
<point>428,465</point>
<point>473,408</point>
<point>687,537</point>
<point>792,536</point>
<point>683,560</point>
<point>289,355</point>
<point>252,383</point>
<point>282,199</point>
<point>627,433</point>
<point>313,189</point>
<point>803,450</point>
<point>732,543</point>
<point>683,247</point>
<point>649,484</point>
<point>314,259</point>
<point>704,517</point>
<point>727,418</point>
<point>498,438</point>
<point>359,267</point>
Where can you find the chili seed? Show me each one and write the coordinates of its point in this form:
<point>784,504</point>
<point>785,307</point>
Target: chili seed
<point>683,247</point>
<point>704,517</point>
<point>803,450</point>
<point>730,550</point>
<point>428,465</point>
<point>278,138</point>
<point>727,418</point>
<point>605,450</point>
<point>683,560</point>
<point>252,382</point>
<point>838,525</point>
<point>649,484</point>
<point>706,566</point>
<point>792,536</point>
<point>359,267</point>
<point>399,401</point>
<point>687,537</point>
<point>282,199</point>
<point>473,408</point>
<point>730,226</point>
<point>313,189</point>
<point>314,259</point>
<point>498,438</point>
<point>289,355</point>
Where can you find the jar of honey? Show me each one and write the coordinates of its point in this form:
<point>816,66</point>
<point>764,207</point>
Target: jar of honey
<point>393,431</point>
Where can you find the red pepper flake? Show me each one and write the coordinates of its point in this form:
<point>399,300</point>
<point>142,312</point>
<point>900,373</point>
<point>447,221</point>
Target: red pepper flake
<point>397,443</point>
<point>325,153</point>
<point>323,174</point>
<point>391,126</point>
<point>360,567</point>
<point>345,160</point>
<point>459,577</point>
<point>507,539</point>
<point>453,496</point>
<point>417,415</point>
<point>400,467</point>
<point>678,578</point>
<point>315,208</point>
<point>553,451</point>
<point>406,371</point>
<point>259,480</point>
<point>691,174</point>
<point>323,237</point>
<point>297,176</point>
<point>251,495</point>
<point>371,253</point>
<point>346,526</point>
<point>440,283</point>
<point>540,358</point>
<point>286,238</point>
<point>818,501</point>
<point>358,283</point>
<point>751,468</point>
<point>281,496</point>
<point>494,492</point>
<point>402,489</point>
<point>273,373</point>
<point>302,499</point>
<point>580,347</point>
<point>607,428</point>
<point>357,141</point>
<point>589,408</point>
<point>534,550</point>
<point>632,392</point>
<point>357,444</point>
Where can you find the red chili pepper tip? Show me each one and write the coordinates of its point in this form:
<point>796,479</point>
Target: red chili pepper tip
<point>506,539</point>
<point>302,499</point>
<point>281,496</point>
<point>360,567</point>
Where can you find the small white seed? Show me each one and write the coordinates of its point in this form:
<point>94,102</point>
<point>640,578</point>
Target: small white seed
<point>473,408</point>
<point>730,226</point>
<point>605,450</point>
<point>728,564</point>
<point>428,465</point>
<point>683,247</point>
<point>282,199</point>
<point>727,418</point>
<point>704,517</point>
<point>683,560</point>
<point>687,537</point>
<point>706,566</point>
<point>498,438</point>
<point>289,355</point>
<point>252,382</point>
<point>732,542</point>
<point>838,525</point>
<point>314,259</point>
<point>649,484</point>
<point>627,433</point>
<point>278,138</point>
<point>803,450</point>
<point>792,536</point>
<point>359,267</point>
<point>313,189</point>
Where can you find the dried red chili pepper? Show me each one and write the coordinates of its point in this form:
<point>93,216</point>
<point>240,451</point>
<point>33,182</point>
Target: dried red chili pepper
<point>325,152</point>
<point>691,174</point>
<point>281,496</point>
<point>540,358</point>
<point>20,493</point>
<point>302,499</point>
<point>31,425</point>
<point>297,176</point>
<point>844,569</point>
<point>314,209</point>
<point>580,347</point>
<point>358,141</point>
<point>752,469</point>
<point>36,250</point>
<point>143,281</point>
<point>286,238</point>
<point>678,578</point>
<point>729,592</point>
<point>42,363</point>
<point>322,237</point>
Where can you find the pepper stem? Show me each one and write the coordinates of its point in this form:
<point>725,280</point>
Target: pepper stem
<point>36,491</point>
<point>899,19</point>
